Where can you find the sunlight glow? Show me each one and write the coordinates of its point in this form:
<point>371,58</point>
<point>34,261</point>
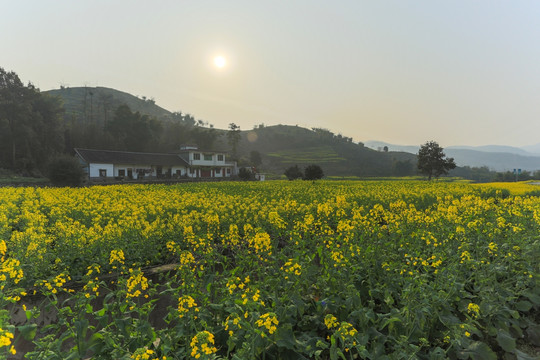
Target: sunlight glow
<point>220,61</point>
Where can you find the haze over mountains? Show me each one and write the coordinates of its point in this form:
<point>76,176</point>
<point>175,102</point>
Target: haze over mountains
<point>495,157</point>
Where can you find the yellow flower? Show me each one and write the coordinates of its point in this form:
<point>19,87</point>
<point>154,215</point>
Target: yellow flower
<point>268,321</point>
<point>185,304</point>
<point>117,256</point>
<point>202,343</point>
<point>330,321</point>
<point>5,337</point>
<point>473,309</point>
<point>136,284</point>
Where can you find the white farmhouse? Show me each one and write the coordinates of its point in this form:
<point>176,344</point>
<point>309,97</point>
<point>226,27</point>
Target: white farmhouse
<point>205,164</point>
<point>189,162</point>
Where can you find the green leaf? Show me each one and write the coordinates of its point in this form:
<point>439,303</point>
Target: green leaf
<point>520,355</point>
<point>448,319</point>
<point>81,326</point>
<point>506,341</point>
<point>533,334</point>
<point>285,338</point>
<point>534,298</point>
<point>333,349</point>
<point>523,306</point>
<point>389,321</point>
<point>437,354</point>
<point>28,331</point>
<point>478,350</point>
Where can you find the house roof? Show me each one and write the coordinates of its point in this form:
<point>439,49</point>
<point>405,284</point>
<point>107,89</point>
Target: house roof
<point>129,158</point>
<point>202,151</point>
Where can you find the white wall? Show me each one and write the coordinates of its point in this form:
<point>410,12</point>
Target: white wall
<point>94,169</point>
<point>181,168</point>
<point>202,162</point>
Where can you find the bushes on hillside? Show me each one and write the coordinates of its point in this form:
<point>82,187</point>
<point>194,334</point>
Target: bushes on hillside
<point>293,173</point>
<point>311,172</point>
<point>65,171</point>
<point>246,174</point>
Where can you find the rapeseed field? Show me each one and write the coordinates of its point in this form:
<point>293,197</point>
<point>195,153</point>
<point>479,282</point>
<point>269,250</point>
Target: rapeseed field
<point>275,270</point>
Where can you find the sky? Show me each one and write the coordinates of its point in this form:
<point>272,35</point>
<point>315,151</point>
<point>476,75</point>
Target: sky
<point>461,72</point>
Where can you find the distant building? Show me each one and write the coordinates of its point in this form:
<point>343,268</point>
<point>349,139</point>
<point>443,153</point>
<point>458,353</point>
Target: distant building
<point>189,162</point>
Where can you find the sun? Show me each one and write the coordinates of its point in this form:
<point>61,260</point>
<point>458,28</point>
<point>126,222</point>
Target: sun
<point>220,61</point>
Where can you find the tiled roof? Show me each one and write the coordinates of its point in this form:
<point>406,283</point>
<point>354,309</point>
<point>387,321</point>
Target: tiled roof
<point>130,158</point>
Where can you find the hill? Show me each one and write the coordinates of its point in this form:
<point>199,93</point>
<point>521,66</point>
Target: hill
<point>495,149</point>
<point>97,104</point>
<point>535,149</point>
<point>497,161</point>
<point>282,146</point>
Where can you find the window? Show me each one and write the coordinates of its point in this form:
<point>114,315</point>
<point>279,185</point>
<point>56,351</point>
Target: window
<point>103,172</point>
<point>122,172</point>
<point>220,157</point>
<point>196,156</point>
<point>208,157</point>
<point>218,171</point>
<point>228,171</point>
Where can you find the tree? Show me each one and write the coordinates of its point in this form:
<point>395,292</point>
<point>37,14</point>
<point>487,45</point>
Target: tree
<point>204,137</point>
<point>432,161</point>
<point>313,172</point>
<point>294,173</point>
<point>233,137</point>
<point>246,174</point>
<point>134,131</point>
<point>255,158</point>
<point>30,125</point>
<point>65,170</point>
<point>402,168</point>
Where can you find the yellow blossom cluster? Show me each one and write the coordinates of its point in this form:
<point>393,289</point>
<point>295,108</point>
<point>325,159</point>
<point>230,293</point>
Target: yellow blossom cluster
<point>136,284</point>
<point>117,256</point>
<point>187,304</point>
<point>236,283</point>
<point>55,284</point>
<point>10,268</point>
<point>232,323</point>
<point>291,267</point>
<point>268,321</point>
<point>473,309</point>
<point>347,333</point>
<point>146,354</point>
<point>202,344</point>
<point>5,337</point>
<point>261,243</point>
<point>330,321</point>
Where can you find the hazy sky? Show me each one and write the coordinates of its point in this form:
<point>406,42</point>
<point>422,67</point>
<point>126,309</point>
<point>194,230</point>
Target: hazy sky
<point>458,72</point>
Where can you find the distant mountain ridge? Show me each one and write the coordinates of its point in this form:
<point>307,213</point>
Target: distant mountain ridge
<point>495,149</point>
<point>495,157</point>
